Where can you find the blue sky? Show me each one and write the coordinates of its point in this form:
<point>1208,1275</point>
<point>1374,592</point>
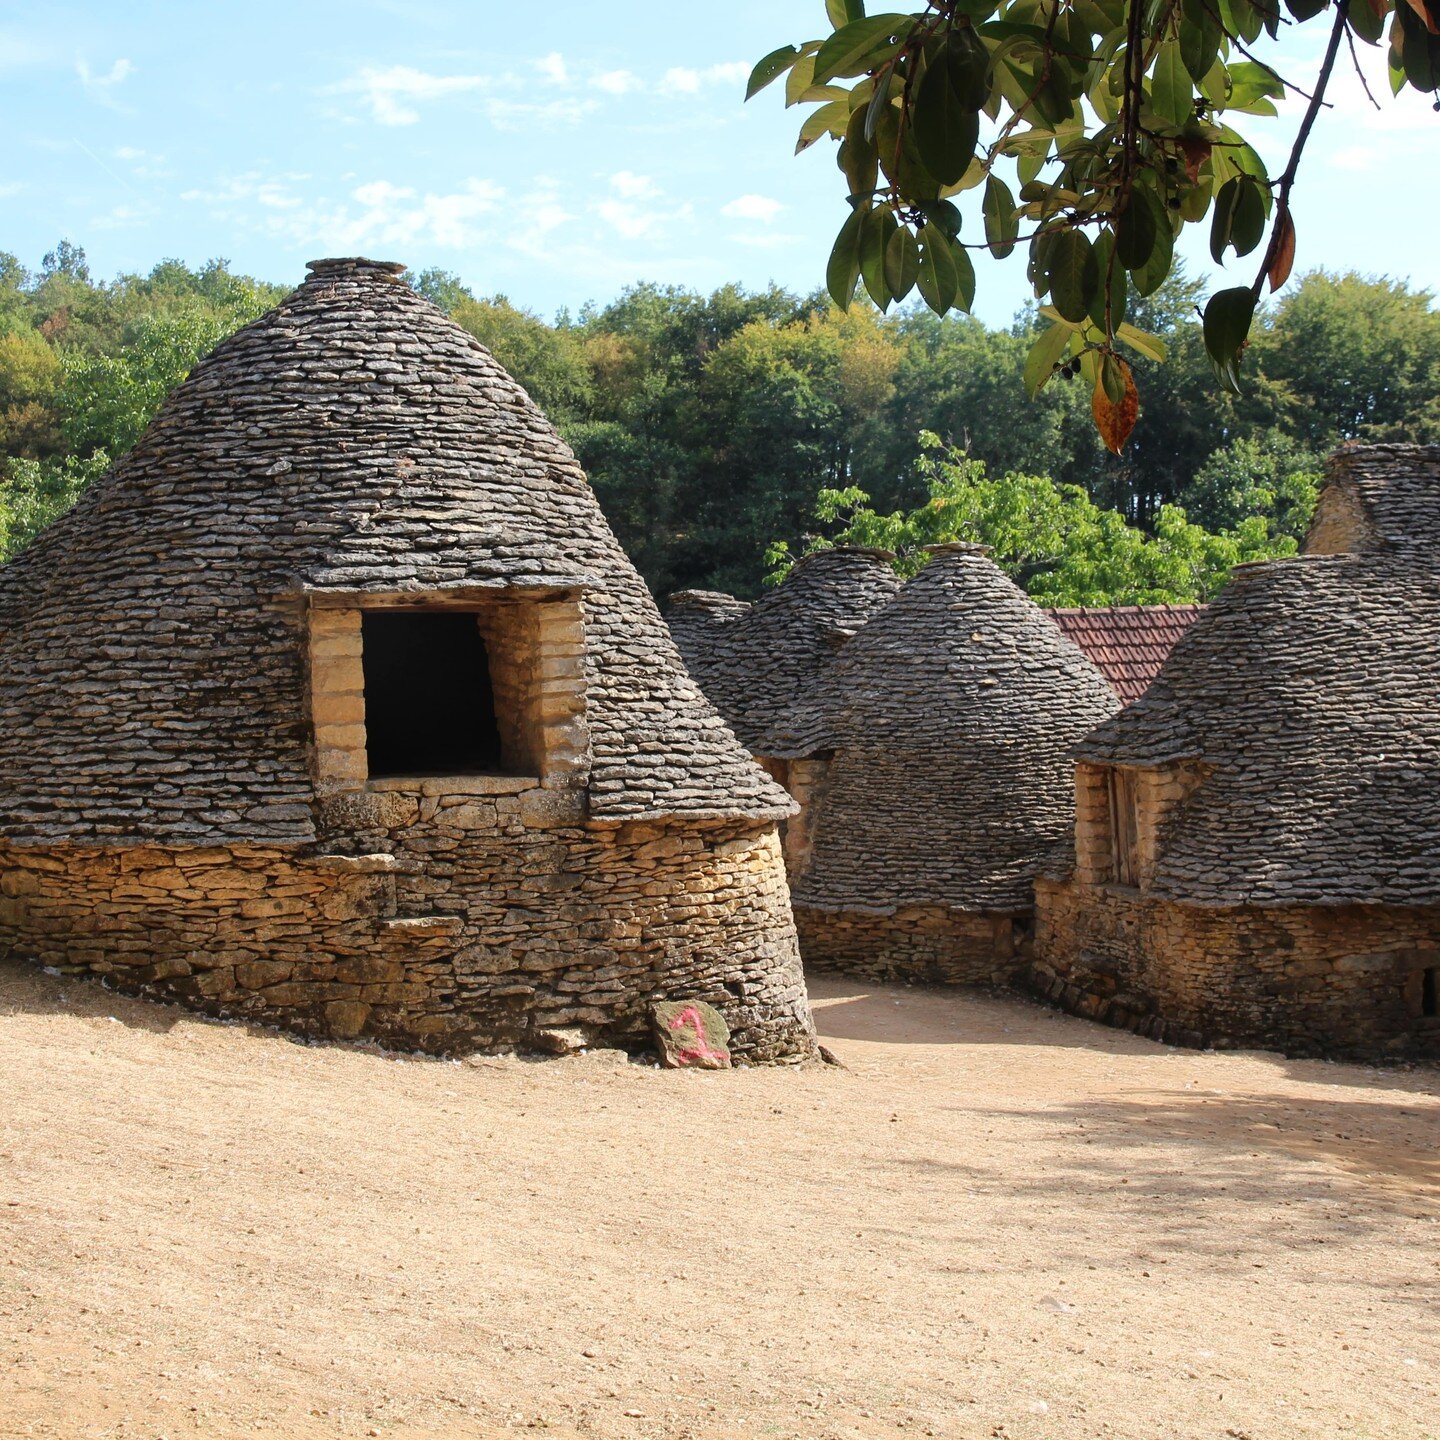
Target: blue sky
<point>554,152</point>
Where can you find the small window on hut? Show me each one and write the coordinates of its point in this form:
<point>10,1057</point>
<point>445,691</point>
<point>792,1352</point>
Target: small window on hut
<point>1124,828</point>
<point>429,698</point>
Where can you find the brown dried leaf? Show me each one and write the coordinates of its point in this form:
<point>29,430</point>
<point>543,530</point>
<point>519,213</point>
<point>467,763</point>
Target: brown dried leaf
<point>1419,7</point>
<point>1116,421</point>
<point>1282,251</point>
<point>1197,152</point>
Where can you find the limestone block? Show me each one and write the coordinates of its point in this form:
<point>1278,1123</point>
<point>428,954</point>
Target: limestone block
<point>690,1035</point>
<point>346,1018</point>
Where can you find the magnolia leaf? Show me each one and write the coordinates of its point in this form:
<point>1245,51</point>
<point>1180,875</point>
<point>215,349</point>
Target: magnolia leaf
<point>1152,347</point>
<point>1282,252</point>
<point>875,232</point>
<point>936,278</point>
<point>1073,274</point>
<point>1150,276</point>
<point>964,277</point>
<point>858,157</point>
<point>967,62</point>
<point>1227,331</point>
<point>1111,288</point>
<point>945,131</point>
<point>902,262</point>
<point>1045,354</point>
<point>1170,94</point>
<point>1135,231</point>
<point>843,12</point>
<point>772,67</point>
<point>829,119</point>
<point>860,45</point>
<point>1002,225</point>
<point>1115,403</point>
<point>844,267</point>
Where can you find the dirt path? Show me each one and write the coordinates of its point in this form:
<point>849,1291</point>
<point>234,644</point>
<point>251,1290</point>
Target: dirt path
<point>997,1222</point>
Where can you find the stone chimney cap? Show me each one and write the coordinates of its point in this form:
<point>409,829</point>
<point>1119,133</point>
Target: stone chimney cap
<point>351,264</point>
<point>958,547</point>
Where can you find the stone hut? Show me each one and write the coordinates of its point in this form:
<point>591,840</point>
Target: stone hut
<point>696,619</point>
<point>949,719</point>
<point>1127,644</point>
<point>764,666</point>
<point>336,705</point>
<point>1256,856</point>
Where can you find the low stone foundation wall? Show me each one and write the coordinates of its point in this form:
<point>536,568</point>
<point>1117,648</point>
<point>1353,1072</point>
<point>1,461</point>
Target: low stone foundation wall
<point>916,942</point>
<point>1343,981</point>
<point>471,929</point>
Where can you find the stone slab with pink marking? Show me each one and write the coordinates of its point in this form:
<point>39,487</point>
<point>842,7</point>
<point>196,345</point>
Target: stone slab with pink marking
<point>689,1034</point>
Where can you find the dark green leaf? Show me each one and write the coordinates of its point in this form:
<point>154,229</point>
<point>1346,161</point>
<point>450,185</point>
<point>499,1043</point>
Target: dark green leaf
<point>945,214</point>
<point>860,45</point>
<point>1309,9</point>
<point>858,158</point>
<point>1150,276</point>
<point>875,232</point>
<point>968,63</point>
<point>772,67</point>
<point>964,277</point>
<point>1420,50</point>
<point>1073,274</point>
<point>844,267</point>
<point>1223,220</point>
<point>1002,225</point>
<point>1248,227</point>
<point>1200,37</point>
<point>936,278</point>
<point>843,12</point>
<point>1364,21</point>
<point>902,262</point>
<point>1112,281</point>
<point>1227,328</point>
<point>1135,238</point>
<point>945,131</point>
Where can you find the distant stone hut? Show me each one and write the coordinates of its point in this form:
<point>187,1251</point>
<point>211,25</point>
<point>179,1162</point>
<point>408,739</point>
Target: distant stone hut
<point>337,706</point>
<point>1257,845</point>
<point>763,665</point>
<point>947,722</point>
<point>1127,644</point>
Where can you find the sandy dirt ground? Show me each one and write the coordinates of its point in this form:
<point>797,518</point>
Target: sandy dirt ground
<point>997,1221</point>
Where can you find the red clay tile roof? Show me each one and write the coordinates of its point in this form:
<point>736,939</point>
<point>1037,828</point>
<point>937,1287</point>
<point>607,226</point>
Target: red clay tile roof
<point>1127,643</point>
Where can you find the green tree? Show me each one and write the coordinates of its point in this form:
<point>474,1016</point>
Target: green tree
<point>1113,118</point>
<point>1053,539</point>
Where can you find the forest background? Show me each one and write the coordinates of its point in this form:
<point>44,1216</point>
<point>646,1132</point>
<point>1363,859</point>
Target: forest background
<point>725,433</point>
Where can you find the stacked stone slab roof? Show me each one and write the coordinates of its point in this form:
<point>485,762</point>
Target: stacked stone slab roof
<point>1379,498</point>
<point>695,617</point>
<point>763,667</point>
<point>352,440</point>
<point>952,714</point>
<point>1127,643</point>
<point>1309,693</point>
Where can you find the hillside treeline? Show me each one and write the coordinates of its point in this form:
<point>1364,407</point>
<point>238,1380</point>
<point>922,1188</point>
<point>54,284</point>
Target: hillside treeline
<point>711,425</point>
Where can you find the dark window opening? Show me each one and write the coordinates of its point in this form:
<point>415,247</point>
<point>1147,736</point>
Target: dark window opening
<point>429,701</point>
<point>1430,993</point>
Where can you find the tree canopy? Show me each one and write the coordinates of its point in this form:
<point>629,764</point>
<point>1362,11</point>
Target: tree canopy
<point>710,424</point>
<point>1115,123</point>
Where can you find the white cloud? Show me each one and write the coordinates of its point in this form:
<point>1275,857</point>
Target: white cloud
<point>100,87</point>
<point>633,186</point>
<point>752,207</point>
<point>635,211</point>
<point>144,164</point>
<point>373,214</point>
<point>680,80</point>
<point>552,67</point>
<point>392,93</point>
<point>11,187</point>
<point>615,82</point>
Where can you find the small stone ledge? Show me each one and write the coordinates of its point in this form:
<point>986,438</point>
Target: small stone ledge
<point>440,785</point>
<point>423,926</point>
<point>380,864</point>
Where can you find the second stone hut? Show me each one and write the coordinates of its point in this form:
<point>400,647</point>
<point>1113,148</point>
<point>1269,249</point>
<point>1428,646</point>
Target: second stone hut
<point>948,720</point>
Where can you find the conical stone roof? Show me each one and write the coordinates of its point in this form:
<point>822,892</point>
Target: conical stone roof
<point>762,668</point>
<point>1381,499</point>
<point>952,715</point>
<point>1309,695</point>
<point>695,617</point>
<point>353,439</point>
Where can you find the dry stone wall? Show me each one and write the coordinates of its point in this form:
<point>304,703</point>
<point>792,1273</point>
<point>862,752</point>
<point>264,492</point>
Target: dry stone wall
<point>928,943</point>
<point>490,919</point>
<point>1340,981</point>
